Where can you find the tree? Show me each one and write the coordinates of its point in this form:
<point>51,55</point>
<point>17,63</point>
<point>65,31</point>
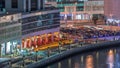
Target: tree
<point>95,18</point>
<point>104,19</point>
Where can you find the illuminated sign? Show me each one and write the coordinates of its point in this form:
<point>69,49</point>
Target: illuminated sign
<point>113,21</point>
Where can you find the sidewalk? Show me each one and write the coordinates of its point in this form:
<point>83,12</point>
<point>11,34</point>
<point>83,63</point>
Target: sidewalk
<point>2,60</point>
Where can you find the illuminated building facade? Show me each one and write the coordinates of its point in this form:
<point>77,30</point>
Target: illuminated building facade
<point>40,28</point>
<point>63,3</point>
<point>10,33</point>
<point>27,24</point>
<point>78,11</point>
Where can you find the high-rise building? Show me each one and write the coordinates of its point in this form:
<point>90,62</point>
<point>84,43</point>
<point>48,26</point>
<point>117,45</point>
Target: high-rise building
<point>24,5</point>
<point>112,8</point>
<point>78,11</point>
<point>112,12</point>
<point>27,24</point>
<point>63,3</point>
<point>10,33</point>
<point>40,28</point>
<point>95,0</point>
<point>2,5</point>
<point>94,8</point>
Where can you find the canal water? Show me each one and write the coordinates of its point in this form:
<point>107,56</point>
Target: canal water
<point>109,58</point>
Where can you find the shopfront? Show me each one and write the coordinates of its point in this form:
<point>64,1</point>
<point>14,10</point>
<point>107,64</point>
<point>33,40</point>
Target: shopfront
<point>40,40</point>
<point>84,16</point>
<point>10,47</point>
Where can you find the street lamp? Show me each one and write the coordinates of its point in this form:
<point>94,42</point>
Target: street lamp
<point>59,49</point>
<point>23,58</point>
<point>69,45</point>
<point>114,35</point>
<point>97,37</point>
<point>48,52</point>
<point>36,56</point>
<point>0,50</point>
<point>10,64</point>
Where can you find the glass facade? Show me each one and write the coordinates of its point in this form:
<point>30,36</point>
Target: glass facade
<point>10,34</point>
<point>41,4</point>
<point>2,5</point>
<point>78,3</point>
<point>9,30</point>
<point>40,29</point>
<point>14,3</point>
<point>34,5</point>
<point>94,6</point>
<point>40,22</point>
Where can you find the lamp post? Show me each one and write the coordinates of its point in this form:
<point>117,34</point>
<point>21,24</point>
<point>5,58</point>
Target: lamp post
<point>36,56</point>
<point>23,60</point>
<point>69,45</point>
<point>48,52</point>
<point>0,50</point>
<point>97,38</point>
<point>114,35</point>
<point>59,47</point>
<point>10,64</point>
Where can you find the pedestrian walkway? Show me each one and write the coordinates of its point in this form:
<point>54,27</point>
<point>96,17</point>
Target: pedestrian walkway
<point>4,59</point>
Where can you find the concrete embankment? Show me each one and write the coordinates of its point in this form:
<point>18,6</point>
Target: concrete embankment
<point>72,52</point>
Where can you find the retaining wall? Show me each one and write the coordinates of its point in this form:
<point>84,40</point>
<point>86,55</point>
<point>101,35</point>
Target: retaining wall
<point>67,54</point>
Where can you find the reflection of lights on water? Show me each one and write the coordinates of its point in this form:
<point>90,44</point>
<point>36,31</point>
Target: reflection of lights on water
<point>89,62</point>
<point>81,58</point>
<point>97,54</point>
<point>110,59</point>
<point>69,63</point>
<point>77,65</point>
<point>110,52</point>
<point>59,65</point>
<point>117,61</point>
<point>48,67</point>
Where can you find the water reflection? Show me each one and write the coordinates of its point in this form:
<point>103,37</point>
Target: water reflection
<point>69,63</point>
<point>109,58</point>
<point>59,65</point>
<point>89,62</point>
<point>117,61</point>
<point>77,65</point>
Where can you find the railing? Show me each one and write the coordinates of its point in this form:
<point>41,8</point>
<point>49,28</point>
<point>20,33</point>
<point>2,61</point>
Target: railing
<point>71,51</point>
<point>38,57</point>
